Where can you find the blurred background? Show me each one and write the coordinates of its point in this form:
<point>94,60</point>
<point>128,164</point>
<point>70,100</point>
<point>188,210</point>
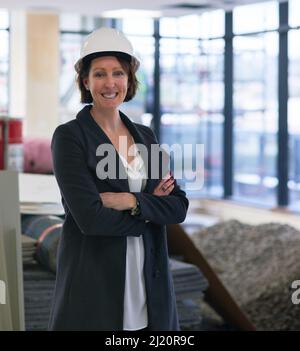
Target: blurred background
<point>225,74</point>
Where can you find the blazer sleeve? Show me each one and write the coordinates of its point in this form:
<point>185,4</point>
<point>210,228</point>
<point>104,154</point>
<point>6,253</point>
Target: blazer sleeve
<point>170,209</point>
<point>80,193</point>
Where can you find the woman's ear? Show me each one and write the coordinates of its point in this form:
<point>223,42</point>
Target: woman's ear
<point>86,83</point>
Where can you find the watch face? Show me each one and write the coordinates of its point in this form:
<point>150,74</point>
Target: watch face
<point>136,211</point>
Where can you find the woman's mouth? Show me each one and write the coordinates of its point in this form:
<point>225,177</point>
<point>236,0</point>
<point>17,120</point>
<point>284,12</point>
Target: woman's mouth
<point>109,95</point>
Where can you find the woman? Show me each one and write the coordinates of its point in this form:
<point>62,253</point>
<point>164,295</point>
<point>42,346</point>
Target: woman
<point>112,271</point>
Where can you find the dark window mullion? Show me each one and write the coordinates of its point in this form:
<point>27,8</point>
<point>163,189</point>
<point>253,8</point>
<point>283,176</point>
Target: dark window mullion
<point>282,159</point>
<point>228,108</point>
<point>156,80</point>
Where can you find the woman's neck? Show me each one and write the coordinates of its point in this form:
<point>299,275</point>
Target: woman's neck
<point>108,120</point>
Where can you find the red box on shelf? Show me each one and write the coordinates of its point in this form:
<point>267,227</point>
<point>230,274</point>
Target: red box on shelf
<point>11,144</point>
<point>2,142</point>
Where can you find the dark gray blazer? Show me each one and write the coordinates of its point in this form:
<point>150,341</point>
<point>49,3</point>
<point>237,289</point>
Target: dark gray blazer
<point>90,279</point>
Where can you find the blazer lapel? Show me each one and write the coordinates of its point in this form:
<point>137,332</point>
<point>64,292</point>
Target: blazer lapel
<point>86,121</point>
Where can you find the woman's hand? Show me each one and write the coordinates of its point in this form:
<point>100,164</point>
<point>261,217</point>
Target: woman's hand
<point>165,186</point>
<point>127,201</point>
<point>118,201</point>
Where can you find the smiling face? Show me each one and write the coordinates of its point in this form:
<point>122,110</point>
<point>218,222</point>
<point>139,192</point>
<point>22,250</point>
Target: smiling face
<point>107,82</point>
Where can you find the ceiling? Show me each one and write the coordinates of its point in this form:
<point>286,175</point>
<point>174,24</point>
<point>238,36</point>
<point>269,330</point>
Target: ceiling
<point>96,7</point>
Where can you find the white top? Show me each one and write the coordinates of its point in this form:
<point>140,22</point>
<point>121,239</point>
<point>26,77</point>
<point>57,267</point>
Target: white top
<point>135,307</point>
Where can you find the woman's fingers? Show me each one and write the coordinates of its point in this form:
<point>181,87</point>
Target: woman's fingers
<point>169,189</point>
<point>166,183</point>
<point>165,186</point>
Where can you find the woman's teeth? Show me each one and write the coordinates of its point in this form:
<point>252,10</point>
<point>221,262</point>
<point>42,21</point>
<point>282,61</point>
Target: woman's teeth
<point>109,96</point>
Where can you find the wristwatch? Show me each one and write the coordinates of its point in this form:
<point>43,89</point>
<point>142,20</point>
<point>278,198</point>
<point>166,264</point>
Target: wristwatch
<point>136,210</point>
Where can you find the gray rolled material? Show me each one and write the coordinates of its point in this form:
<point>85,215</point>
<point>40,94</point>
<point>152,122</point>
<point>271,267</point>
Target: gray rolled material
<point>28,249</point>
<point>46,230</point>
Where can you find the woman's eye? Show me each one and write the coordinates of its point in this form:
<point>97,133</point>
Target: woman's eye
<point>119,73</point>
<point>99,74</point>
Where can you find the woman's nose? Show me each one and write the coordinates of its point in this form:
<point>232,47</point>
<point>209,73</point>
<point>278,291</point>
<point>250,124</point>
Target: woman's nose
<point>109,81</point>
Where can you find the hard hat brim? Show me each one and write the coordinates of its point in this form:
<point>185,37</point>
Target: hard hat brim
<point>118,54</point>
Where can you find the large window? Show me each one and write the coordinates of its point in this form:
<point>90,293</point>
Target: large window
<point>192,88</point>
<point>192,56</point>
<point>4,53</point>
<point>255,104</point>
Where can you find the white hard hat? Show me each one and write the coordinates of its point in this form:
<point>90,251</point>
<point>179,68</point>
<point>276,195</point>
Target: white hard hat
<point>105,42</point>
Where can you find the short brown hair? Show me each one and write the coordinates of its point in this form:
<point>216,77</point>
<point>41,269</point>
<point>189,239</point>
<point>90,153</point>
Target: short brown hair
<point>83,72</point>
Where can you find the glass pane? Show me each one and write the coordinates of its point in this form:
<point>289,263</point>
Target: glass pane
<point>169,27</point>
<point>293,119</point>
<point>208,25</point>
<point>69,94</point>
<point>212,24</point>
<point>213,150</point>
<point>255,17</point>
<point>70,22</point>
<point>75,22</point>
<point>192,96</point>
<point>140,108</point>
<point>138,26</point>
<point>255,117</point>
<point>179,71</point>
<point>4,19</point>
<point>4,71</point>
<point>189,26</point>
<point>294,10</point>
